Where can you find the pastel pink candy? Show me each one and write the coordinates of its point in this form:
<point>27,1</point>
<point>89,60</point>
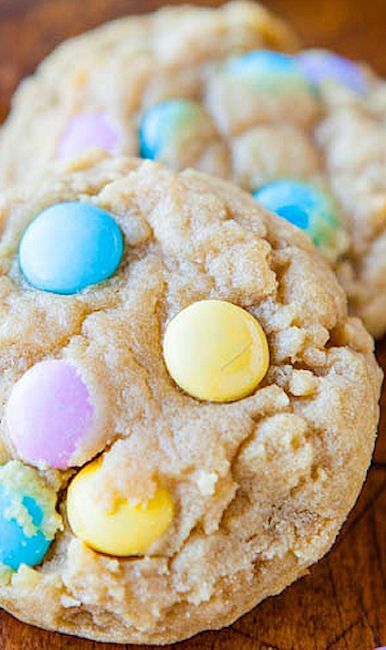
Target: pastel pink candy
<point>87,131</point>
<point>49,413</point>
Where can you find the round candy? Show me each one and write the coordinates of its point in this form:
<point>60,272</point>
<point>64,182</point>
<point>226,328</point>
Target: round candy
<point>216,351</point>
<point>319,65</point>
<point>87,131</point>
<point>164,124</point>
<point>129,529</point>
<point>28,520</point>
<point>70,246</point>
<point>49,414</point>
<point>272,71</point>
<point>305,207</point>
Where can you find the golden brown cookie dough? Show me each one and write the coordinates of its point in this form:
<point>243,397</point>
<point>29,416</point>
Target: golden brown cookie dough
<point>125,66</point>
<point>334,139</point>
<point>260,486</point>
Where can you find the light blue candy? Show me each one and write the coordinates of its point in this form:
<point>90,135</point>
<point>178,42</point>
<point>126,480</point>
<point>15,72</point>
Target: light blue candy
<point>268,70</point>
<point>262,60</point>
<point>70,246</point>
<point>163,123</point>
<point>292,200</point>
<point>302,205</point>
<point>16,547</point>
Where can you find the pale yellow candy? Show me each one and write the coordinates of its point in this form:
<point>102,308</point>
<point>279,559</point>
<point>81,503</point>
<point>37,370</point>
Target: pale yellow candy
<point>216,351</point>
<point>128,530</point>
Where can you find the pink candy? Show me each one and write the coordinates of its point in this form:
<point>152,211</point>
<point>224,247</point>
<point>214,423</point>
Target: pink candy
<point>87,131</point>
<point>49,413</point>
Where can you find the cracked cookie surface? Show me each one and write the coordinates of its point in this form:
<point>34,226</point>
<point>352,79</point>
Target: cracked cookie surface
<point>260,486</point>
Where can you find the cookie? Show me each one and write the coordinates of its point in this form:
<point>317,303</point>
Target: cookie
<point>186,423</point>
<point>206,88</point>
<point>164,54</point>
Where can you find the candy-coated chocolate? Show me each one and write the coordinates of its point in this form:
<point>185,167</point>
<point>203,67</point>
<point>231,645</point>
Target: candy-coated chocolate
<point>16,548</point>
<point>268,70</point>
<point>49,413</point>
<point>306,207</point>
<point>262,60</point>
<point>70,246</point>
<point>216,351</point>
<point>129,529</point>
<point>85,131</point>
<point>165,123</point>
<point>28,520</point>
<point>319,65</point>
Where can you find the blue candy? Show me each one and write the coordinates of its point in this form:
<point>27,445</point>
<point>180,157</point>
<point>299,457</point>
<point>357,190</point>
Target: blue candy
<point>164,123</point>
<point>268,70</point>
<point>262,60</point>
<point>70,246</point>
<point>16,547</point>
<point>292,200</point>
<point>28,518</point>
<point>304,206</point>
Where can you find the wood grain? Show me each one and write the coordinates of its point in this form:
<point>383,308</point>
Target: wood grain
<point>341,605</point>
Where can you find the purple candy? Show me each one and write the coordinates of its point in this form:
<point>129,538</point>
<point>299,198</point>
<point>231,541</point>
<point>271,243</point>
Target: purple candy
<point>49,413</point>
<point>319,65</point>
<point>87,131</point>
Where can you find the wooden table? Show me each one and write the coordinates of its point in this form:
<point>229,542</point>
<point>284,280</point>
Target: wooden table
<point>341,605</point>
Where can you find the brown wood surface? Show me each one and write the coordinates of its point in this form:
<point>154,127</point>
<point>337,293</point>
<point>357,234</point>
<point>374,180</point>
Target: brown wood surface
<point>341,605</point>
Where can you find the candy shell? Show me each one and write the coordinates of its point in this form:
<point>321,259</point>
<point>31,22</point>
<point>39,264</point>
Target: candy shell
<point>167,122</point>
<point>86,131</point>
<point>70,246</point>
<point>319,65</point>
<point>216,351</point>
<point>49,414</point>
<point>28,520</point>
<point>129,529</point>
<point>268,71</point>
<point>306,207</point>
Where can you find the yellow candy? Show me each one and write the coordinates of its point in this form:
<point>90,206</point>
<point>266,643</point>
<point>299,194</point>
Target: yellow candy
<point>128,530</point>
<point>216,351</point>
